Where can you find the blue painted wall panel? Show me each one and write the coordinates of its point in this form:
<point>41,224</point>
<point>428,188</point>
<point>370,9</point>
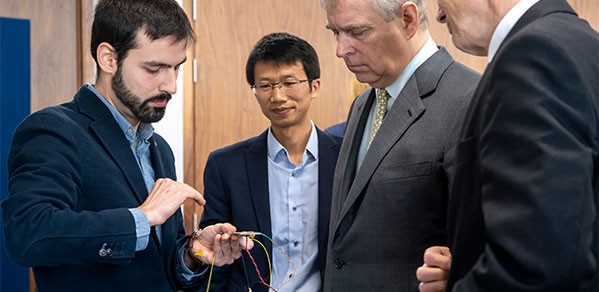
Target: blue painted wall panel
<point>15,94</point>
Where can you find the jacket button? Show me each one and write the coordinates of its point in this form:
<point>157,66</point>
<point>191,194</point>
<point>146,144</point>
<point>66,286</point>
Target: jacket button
<point>104,251</point>
<point>339,263</point>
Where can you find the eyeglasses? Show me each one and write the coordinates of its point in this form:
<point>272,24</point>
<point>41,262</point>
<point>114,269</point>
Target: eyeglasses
<point>286,86</point>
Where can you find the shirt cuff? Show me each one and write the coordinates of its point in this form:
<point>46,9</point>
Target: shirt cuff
<point>185,271</point>
<point>142,229</point>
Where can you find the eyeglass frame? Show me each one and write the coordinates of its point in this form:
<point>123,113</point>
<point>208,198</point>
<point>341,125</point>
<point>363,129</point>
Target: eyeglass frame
<point>277,85</point>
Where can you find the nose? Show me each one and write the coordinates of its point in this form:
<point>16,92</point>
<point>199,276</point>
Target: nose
<point>169,82</point>
<point>344,47</point>
<point>441,17</point>
<point>277,93</point>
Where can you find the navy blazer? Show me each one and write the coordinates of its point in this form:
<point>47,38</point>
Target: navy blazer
<point>236,191</point>
<point>72,178</point>
<point>523,207</point>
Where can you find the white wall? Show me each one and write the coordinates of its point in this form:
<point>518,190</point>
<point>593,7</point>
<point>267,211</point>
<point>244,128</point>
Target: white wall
<point>171,126</point>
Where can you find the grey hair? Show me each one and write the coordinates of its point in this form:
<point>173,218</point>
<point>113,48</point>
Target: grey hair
<point>388,8</point>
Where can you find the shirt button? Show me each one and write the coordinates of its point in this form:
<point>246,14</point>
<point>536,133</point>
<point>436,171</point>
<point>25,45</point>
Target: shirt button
<point>294,208</point>
<point>296,244</point>
<point>294,174</point>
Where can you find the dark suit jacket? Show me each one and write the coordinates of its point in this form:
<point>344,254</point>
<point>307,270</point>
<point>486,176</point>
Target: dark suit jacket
<point>385,214</point>
<point>523,212</point>
<point>336,129</point>
<point>236,191</point>
<point>72,176</point>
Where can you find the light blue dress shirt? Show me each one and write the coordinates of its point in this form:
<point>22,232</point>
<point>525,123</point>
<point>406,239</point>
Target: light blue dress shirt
<point>293,201</point>
<point>429,49</point>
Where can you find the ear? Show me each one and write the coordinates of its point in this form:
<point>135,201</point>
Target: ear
<point>315,84</point>
<point>411,18</point>
<point>107,58</point>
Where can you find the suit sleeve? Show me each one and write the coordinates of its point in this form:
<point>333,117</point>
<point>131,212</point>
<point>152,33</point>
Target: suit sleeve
<point>41,225</point>
<point>537,152</point>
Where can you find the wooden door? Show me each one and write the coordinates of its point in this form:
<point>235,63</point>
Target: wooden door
<point>220,109</point>
<point>224,108</point>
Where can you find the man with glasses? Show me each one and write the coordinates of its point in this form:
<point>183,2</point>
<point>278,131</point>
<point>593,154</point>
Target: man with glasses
<point>278,183</point>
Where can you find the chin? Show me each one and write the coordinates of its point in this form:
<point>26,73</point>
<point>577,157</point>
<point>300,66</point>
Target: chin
<point>468,47</point>
<point>475,51</point>
<point>365,77</point>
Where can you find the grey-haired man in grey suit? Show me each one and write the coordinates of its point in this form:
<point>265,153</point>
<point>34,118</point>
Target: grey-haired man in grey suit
<point>391,180</point>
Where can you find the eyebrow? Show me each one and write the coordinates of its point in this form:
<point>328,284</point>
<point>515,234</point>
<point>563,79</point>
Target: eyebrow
<point>349,27</point>
<point>162,64</point>
<point>284,77</point>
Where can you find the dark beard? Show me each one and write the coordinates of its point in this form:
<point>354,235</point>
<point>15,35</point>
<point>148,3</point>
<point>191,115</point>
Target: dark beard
<point>141,110</point>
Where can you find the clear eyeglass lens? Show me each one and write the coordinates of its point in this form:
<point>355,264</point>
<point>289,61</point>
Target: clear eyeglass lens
<point>287,86</point>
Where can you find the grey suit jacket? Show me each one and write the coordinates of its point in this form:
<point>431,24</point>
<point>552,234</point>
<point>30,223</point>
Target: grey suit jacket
<point>387,212</point>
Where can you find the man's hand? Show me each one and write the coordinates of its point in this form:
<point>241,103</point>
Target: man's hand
<point>435,270</point>
<point>166,198</point>
<point>215,244</point>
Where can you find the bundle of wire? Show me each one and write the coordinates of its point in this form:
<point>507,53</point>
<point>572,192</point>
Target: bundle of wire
<point>252,235</point>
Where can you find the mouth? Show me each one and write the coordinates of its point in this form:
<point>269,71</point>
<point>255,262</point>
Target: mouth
<point>160,100</point>
<point>281,110</point>
<point>160,103</point>
<point>356,68</point>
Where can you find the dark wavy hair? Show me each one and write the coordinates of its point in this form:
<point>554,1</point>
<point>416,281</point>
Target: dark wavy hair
<point>117,22</point>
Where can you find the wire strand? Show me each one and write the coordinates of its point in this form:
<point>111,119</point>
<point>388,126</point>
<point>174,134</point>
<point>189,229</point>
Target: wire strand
<point>251,235</point>
<point>210,275</point>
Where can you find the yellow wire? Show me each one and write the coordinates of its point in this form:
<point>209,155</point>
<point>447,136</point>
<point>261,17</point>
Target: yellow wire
<point>267,259</point>
<point>210,275</point>
<point>267,256</point>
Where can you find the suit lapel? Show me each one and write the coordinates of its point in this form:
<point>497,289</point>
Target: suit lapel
<point>112,138</point>
<point>347,162</point>
<point>159,166</point>
<point>406,110</point>
<point>168,230</point>
<point>256,164</point>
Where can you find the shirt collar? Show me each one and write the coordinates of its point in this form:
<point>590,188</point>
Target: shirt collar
<point>429,49</point>
<point>145,130</point>
<point>275,148</point>
<point>506,24</point>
